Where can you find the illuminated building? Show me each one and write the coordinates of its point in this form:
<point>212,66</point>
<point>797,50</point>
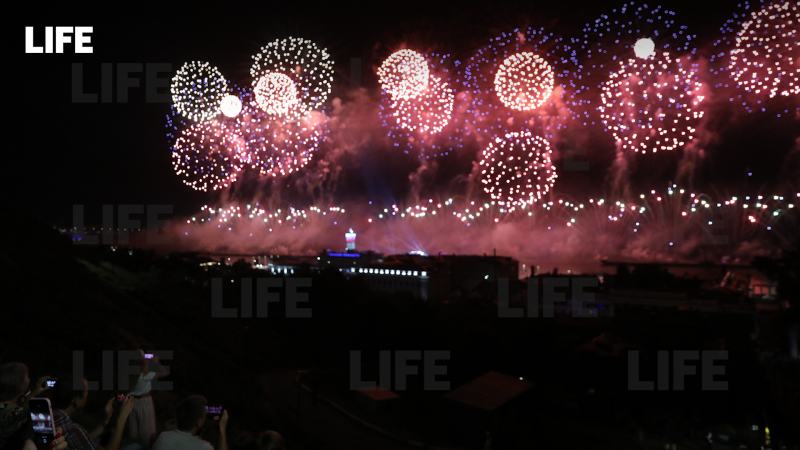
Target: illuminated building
<point>350,238</point>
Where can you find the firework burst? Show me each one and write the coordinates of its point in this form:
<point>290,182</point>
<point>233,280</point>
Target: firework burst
<point>428,112</point>
<point>758,54</point>
<point>278,147</point>
<point>652,104</point>
<point>766,51</point>
<point>524,81</point>
<point>404,74</point>
<point>519,81</point>
<point>306,65</point>
<point>624,33</point>
<point>276,94</point>
<point>206,155</point>
<point>423,124</point>
<point>518,169</point>
<point>197,91</point>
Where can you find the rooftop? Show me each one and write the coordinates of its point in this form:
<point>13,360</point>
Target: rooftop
<point>489,391</point>
<point>378,393</point>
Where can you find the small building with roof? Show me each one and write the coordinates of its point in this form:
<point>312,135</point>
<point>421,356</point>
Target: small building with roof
<point>489,403</point>
<point>376,399</point>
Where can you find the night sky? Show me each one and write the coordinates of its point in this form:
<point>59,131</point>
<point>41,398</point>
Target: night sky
<point>63,153</point>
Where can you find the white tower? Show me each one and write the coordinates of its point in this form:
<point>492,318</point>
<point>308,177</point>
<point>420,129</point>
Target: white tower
<point>351,240</point>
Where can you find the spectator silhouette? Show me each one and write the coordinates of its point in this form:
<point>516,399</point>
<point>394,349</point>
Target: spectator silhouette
<point>268,440</point>
<point>141,426</point>
<point>67,401</point>
<point>99,417</point>
<point>14,397</point>
<point>59,444</point>
<point>191,418</point>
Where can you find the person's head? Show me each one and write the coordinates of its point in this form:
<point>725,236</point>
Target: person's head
<point>97,409</point>
<point>13,383</point>
<point>64,394</point>
<point>268,440</point>
<point>191,413</point>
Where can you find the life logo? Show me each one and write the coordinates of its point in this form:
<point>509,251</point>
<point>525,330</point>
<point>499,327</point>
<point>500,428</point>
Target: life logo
<point>63,35</point>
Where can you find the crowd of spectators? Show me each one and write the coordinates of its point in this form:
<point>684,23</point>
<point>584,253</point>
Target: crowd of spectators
<point>109,420</point>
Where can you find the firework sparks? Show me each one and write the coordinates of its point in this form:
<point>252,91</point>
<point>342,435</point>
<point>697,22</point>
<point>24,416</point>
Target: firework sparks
<point>755,55</point>
<point>278,147</point>
<point>248,135</point>
<point>423,124</point>
<point>510,85</point>
<point>644,48</point>
<point>652,104</point>
<point>517,169</point>
<point>404,74</point>
<point>230,106</point>
<point>766,51</point>
<point>624,33</point>
<point>257,216</point>
<point>276,94</point>
<point>206,155</point>
<point>306,65</point>
<point>524,81</point>
<point>262,227</point>
<point>197,90</point>
<point>673,224</point>
<point>428,112</point>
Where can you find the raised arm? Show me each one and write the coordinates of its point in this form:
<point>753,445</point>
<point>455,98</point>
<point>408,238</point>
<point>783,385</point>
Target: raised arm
<point>125,411</point>
<point>59,444</point>
<point>223,424</point>
<point>37,389</point>
<point>161,372</point>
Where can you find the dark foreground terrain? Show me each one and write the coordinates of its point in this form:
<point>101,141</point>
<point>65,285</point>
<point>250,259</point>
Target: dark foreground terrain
<point>61,298</point>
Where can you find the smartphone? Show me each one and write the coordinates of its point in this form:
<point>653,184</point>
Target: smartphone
<point>44,429</point>
<point>51,382</point>
<point>148,356</point>
<point>214,410</point>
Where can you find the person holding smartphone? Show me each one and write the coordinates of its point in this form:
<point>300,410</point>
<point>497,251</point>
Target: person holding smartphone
<point>141,426</point>
<point>124,410</point>
<point>42,434</point>
<point>99,418</point>
<point>67,401</point>
<point>59,444</point>
<point>191,417</point>
<point>14,398</point>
